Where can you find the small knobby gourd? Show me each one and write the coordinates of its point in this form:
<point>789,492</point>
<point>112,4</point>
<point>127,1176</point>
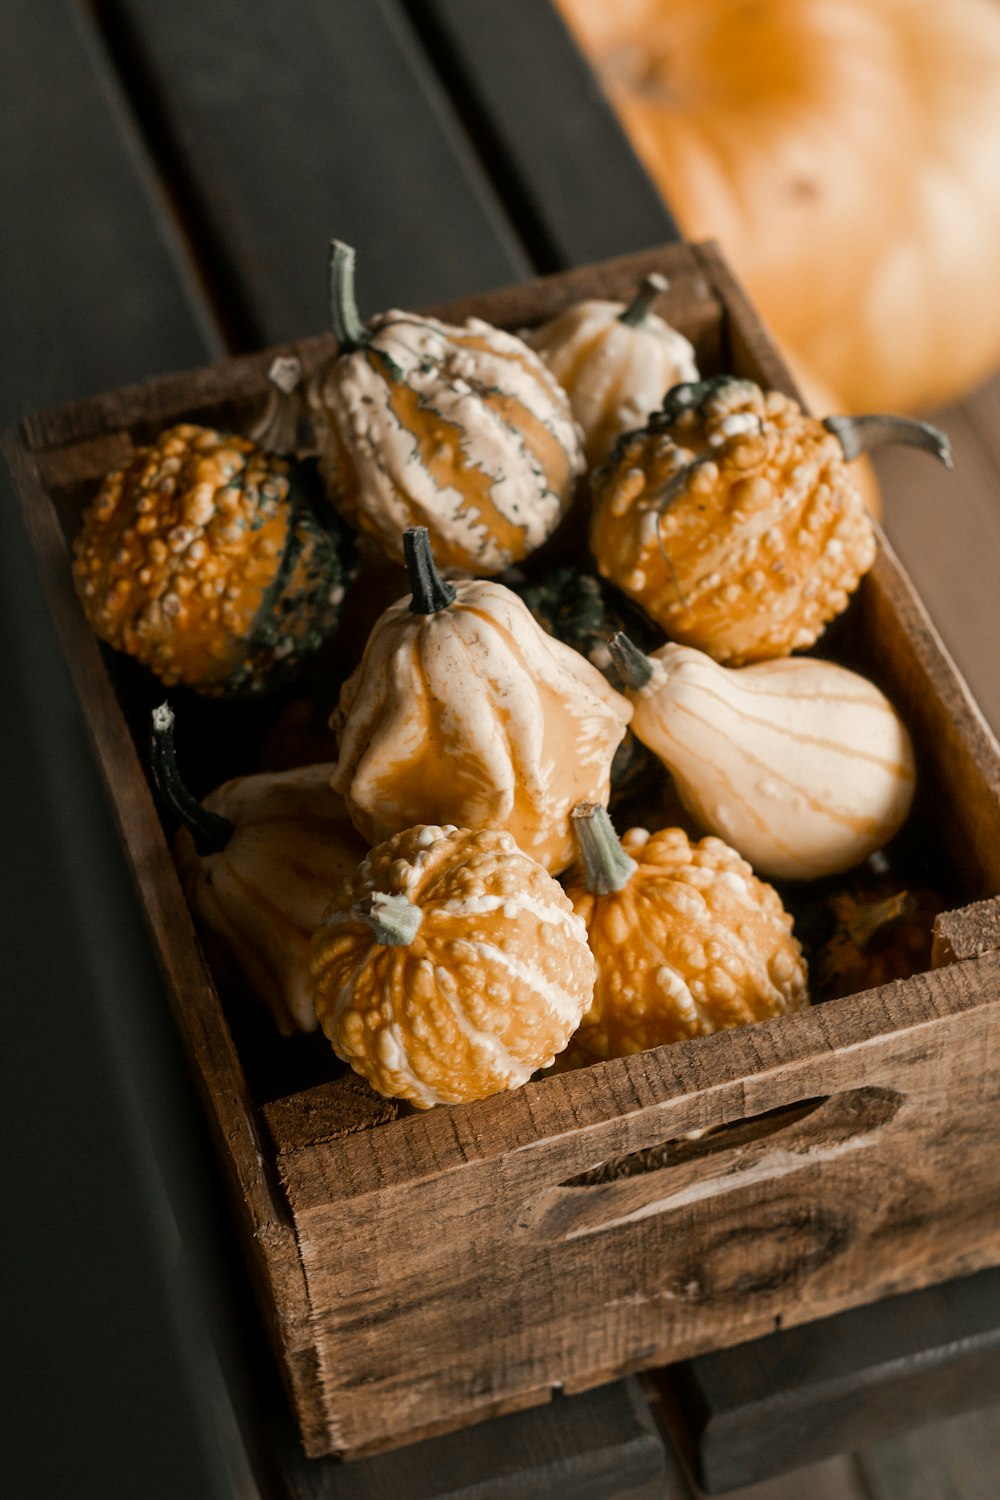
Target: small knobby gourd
<point>259,860</point>
<point>450,967</point>
<point>687,939</point>
<point>203,559</point>
<point>732,518</point>
<point>801,765</point>
<point>614,361</point>
<point>463,707</point>
<point>461,429</point>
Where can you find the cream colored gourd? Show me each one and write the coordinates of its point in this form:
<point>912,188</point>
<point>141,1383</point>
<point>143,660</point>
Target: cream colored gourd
<point>259,860</point>
<point>615,361</point>
<point>801,765</point>
<point>687,940</point>
<point>462,429</point>
<point>450,966</point>
<point>463,710</point>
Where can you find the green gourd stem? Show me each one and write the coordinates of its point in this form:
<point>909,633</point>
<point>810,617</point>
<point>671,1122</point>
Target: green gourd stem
<point>431,593</point>
<point>634,665</point>
<point>394,920</point>
<point>857,435</point>
<point>211,833</point>
<point>347,325</point>
<point>638,309</point>
<point>606,866</point>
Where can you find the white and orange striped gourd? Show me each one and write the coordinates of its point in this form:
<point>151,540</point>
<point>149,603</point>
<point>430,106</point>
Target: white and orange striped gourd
<point>615,361</point>
<point>463,709</point>
<point>801,765</point>
<point>687,939</point>
<point>461,429</point>
<point>450,967</point>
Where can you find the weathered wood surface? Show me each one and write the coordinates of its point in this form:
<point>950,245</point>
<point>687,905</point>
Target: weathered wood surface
<point>557,1314</point>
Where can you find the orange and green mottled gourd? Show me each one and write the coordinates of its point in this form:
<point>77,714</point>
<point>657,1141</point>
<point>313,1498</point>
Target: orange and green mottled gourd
<point>733,520</point>
<point>461,429</point>
<point>687,939</point>
<point>801,765</point>
<point>462,705</point>
<point>450,967</point>
<point>614,361</point>
<point>259,860</point>
<point>202,559</point>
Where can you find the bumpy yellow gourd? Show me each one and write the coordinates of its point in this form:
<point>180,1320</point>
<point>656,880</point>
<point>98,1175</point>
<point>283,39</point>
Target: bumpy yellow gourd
<point>687,939</point>
<point>801,765</point>
<point>459,429</point>
<point>259,859</point>
<point>450,967</point>
<point>462,705</point>
<point>733,520</point>
<point>615,361</point>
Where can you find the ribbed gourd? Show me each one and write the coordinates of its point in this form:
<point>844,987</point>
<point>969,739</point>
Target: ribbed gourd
<point>733,520</point>
<point>259,860</point>
<point>462,705</point>
<point>450,967</point>
<point>803,766</point>
<point>615,361</point>
<point>686,938</point>
<point>204,560</point>
<point>461,429</point>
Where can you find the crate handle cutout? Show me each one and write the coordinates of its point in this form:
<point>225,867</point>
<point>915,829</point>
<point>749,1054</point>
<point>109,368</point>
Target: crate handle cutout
<point>701,1165</point>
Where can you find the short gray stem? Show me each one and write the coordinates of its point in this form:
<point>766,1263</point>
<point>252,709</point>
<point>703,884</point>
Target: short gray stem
<point>638,309</point>
<point>394,920</point>
<point>857,435</point>
<point>634,665</point>
<point>606,866</point>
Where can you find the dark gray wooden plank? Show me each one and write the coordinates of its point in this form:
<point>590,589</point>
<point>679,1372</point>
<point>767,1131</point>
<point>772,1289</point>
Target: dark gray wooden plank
<point>95,285</point>
<point>601,1445</point>
<point>803,1393</point>
<point>956,1460</point>
<point>545,129</point>
<point>286,125</point>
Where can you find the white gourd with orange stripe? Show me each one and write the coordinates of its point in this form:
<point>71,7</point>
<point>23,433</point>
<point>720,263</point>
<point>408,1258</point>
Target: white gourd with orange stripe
<point>802,766</point>
<point>450,967</point>
<point>461,429</point>
<point>463,708</point>
<point>615,361</point>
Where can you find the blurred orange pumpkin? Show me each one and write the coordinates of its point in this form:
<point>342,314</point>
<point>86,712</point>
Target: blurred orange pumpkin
<point>845,154</point>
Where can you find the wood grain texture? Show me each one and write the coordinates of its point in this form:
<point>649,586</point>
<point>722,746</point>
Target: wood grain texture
<point>286,130</point>
<point>480,1239</point>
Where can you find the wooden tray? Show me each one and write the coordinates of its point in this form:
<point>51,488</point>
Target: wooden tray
<point>424,1272</point>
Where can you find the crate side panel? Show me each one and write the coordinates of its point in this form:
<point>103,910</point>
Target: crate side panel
<point>835,1180</point>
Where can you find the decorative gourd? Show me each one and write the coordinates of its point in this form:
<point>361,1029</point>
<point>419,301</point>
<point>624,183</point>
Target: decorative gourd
<point>732,519</point>
<point>450,967</point>
<point>259,860</point>
<point>614,361</point>
<point>458,428</point>
<point>843,153</point>
<point>203,559</point>
<point>462,702</point>
<point>687,939</point>
<point>801,765</point>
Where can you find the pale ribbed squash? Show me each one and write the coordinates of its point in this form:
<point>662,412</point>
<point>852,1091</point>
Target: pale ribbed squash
<point>615,361</point>
<point>801,765</point>
<point>459,429</point>
<point>733,520</point>
<point>259,860</point>
<point>462,705</point>
<point>687,939</point>
<point>450,967</point>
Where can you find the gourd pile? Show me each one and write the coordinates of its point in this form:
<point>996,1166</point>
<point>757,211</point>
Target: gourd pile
<point>448,898</point>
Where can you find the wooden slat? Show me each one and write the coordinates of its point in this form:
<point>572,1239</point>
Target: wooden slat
<point>602,1445</point>
<point>545,129</point>
<point>284,126</point>
<point>805,1393</point>
<point>95,287</point>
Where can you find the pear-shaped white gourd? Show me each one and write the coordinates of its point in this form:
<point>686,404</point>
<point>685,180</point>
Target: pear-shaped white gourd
<point>801,765</point>
<point>614,361</point>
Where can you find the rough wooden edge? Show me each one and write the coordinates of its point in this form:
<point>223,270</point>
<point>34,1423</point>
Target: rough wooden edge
<point>967,932</point>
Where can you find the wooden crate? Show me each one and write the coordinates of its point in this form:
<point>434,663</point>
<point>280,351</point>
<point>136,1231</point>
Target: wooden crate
<point>425,1271</point>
